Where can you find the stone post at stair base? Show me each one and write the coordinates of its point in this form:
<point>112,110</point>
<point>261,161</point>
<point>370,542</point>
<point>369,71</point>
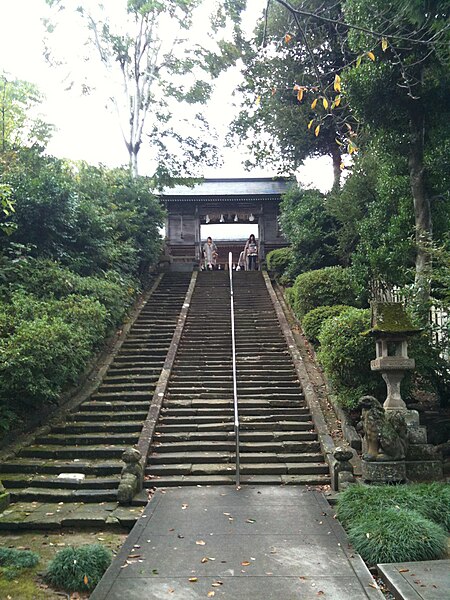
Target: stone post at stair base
<point>132,476</point>
<point>4,498</point>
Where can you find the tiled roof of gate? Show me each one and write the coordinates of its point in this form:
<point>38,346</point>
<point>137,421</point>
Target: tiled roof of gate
<point>261,187</point>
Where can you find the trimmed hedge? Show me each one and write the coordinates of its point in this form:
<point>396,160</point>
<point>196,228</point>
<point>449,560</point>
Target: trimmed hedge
<point>345,356</point>
<point>324,287</point>
<point>279,260</point>
<point>313,321</point>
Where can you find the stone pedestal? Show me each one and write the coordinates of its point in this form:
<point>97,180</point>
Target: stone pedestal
<point>383,471</point>
<point>423,463</point>
<point>4,498</point>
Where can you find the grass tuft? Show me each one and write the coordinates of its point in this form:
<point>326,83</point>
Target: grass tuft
<point>13,561</point>
<point>431,500</point>
<point>397,535</point>
<point>78,569</point>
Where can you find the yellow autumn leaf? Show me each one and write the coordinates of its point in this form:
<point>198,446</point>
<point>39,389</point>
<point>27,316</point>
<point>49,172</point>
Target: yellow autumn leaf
<point>211,594</point>
<point>245,563</point>
<point>313,103</point>
<point>300,94</point>
<point>342,166</point>
<point>316,130</point>
<point>287,38</point>
<point>384,44</point>
<point>338,142</point>
<point>337,100</point>
<point>193,579</point>
<point>358,61</point>
<point>310,123</point>
<point>258,100</point>
<point>337,83</point>
<point>86,580</point>
<point>371,55</point>
<point>325,103</point>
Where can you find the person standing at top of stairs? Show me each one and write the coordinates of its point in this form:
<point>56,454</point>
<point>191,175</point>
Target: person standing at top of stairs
<point>251,253</point>
<point>210,254</point>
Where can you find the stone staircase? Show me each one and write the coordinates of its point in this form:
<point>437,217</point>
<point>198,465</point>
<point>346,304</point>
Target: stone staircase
<point>93,438</point>
<point>194,439</point>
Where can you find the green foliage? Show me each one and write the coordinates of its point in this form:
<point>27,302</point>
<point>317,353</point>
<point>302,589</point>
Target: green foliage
<point>310,229</point>
<point>345,355</point>
<point>323,287</point>
<point>278,260</point>
<point>13,561</point>
<point>431,500</point>
<point>78,569</point>
<point>20,125</point>
<point>313,321</point>
<point>397,535</point>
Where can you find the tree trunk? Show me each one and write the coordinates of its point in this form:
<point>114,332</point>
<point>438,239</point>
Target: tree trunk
<point>337,160</point>
<point>422,207</point>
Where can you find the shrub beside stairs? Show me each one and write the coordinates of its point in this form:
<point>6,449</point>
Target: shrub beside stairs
<point>94,437</point>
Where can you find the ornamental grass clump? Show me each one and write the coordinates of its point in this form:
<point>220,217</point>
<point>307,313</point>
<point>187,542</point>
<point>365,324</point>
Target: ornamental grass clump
<point>78,569</point>
<point>430,500</point>
<point>396,535</point>
<point>13,561</point>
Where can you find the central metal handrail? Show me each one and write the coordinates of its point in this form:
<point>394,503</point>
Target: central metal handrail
<point>233,352</point>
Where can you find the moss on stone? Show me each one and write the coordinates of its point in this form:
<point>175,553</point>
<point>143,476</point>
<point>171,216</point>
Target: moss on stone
<point>390,318</point>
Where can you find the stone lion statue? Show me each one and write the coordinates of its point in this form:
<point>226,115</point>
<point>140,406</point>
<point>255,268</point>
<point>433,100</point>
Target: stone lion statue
<point>385,434</point>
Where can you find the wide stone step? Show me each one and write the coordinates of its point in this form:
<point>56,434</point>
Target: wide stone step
<point>56,452</point>
<point>88,467</point>
<point>283,447</point>
<point>109,415</point>
<point>62,495</point>
<point>309,455</point>
<point>246,436</point>
<point>256,426</point>
<point>119,404</point>
<point>192,480</point>
<point>299,412</point>
<point>125,389</point>
<point>228,402</point>
<point>21,480</point>
<point>166,419</point>
<point>88,439</point>
<point>100,428</point>
<point>124,395</point>
<point>267,468</point>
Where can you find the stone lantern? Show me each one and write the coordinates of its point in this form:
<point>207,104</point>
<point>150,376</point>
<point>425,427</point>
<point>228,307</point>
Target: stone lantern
<point>391,327</point>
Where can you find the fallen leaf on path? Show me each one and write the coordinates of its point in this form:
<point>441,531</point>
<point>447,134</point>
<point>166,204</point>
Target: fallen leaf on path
<point>403,570</point>
<point>205,559</point>
<point>193,579</point>
<point>200,543</point>
<point>217,583</point>
<point>211,594</point>
<point>245,563</point>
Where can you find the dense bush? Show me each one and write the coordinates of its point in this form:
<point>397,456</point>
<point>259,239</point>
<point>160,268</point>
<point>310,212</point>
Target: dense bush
<point>279,260</point>
<point>324,287</point>
<point>312,322</point>
<point>396,535</point>
<point>51,322</point>
<point>346,354</point>
<point>78,569</point>
<point>431,500</point>
<point>311,230</point>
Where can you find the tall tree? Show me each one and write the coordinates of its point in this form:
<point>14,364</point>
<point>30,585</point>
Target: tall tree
<point>395,75</point>
<point>149,44</point>
<point>288,89</point>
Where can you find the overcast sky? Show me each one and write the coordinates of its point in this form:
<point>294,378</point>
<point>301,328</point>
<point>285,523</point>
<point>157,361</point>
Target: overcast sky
<point>86,129</point>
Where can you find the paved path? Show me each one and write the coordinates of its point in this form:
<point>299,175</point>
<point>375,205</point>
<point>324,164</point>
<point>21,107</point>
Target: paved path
<point>258,543</point>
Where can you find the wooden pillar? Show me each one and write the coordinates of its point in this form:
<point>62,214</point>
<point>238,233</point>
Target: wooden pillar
<point>261,233</point>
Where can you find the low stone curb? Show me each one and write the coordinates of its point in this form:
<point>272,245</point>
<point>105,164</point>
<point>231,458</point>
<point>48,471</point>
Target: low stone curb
<point>326,441</point>
<point>149,426</point>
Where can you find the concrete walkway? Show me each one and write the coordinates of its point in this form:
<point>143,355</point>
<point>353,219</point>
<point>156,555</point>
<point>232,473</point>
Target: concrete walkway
<point>258,543</point>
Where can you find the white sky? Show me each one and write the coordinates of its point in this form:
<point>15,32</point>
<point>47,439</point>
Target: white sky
<point>86,128</point>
